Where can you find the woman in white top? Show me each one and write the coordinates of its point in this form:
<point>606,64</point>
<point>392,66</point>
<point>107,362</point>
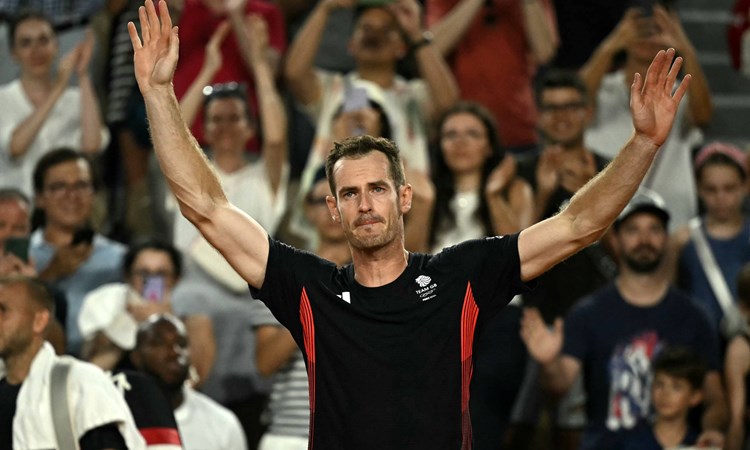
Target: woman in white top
<point>40,110</point>
<point>476,192</point>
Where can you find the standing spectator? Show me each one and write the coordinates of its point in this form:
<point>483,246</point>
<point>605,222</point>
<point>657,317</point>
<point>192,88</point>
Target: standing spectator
<point>40,111</point>
<point>677,387</point>
<point>714,247</point>
<point>520,33</point>
<point>67,252</point>
<point>612,336</point>
<point>382,36</point>
<point>110,314</point>
<point>161,351</point>
<point>98,414</point>
<point>200,19</point>
<point>641,38</point>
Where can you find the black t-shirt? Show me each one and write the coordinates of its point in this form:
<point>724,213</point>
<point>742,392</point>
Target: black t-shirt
<point>105,436</point>
<point>390,367</point>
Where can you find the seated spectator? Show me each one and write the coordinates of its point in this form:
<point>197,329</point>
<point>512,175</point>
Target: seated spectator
<point>161,351</point>
<point>521,34</point>
<point>15,227</point>
<point>110,314</point>
<point>677,387</point>
<point>612,336</point>
<point>66,251</point>
<point>40,110</point>
<point>199,20</point>
<point>381,37</point>
<point>97,413</point>
<point>713,248</point>
<point>737,370</point>
<point>641,38</point>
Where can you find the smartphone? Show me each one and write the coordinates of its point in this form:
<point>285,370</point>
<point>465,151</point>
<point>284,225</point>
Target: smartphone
<point>355,99</point>
<point>83,235</point>
<point>153,288</point>
<point>18,246</point>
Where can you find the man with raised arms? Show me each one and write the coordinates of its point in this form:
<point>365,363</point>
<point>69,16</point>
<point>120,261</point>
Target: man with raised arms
<point>387,339</point>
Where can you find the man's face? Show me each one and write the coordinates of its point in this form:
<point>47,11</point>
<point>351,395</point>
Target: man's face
<point>14,219</point>
<point>642,240</point>
<point>317,213</point>
<point>20,319</point>
<point>564,116</point>
<point>722,191</point>
<point>67,195</point>
<point>368,205</point>
<point>227,127</point>
<point>377,38</point>
<point>152,262</point>
<point>164,354</point>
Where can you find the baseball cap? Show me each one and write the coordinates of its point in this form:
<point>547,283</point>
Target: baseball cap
<point>644,200</point>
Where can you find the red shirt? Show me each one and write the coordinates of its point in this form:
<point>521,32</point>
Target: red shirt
<point>197,24</point>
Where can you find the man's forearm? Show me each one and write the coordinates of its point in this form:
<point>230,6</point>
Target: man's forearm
<point>439,78</point>
<point>190,176</point>
<point>596,205</point>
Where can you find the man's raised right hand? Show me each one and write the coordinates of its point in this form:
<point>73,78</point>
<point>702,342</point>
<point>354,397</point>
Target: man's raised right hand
<point>156,55</point>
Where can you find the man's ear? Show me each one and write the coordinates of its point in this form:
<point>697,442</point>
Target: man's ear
<point>405,194</point>
<point>41,320</point>
<point>333,208</point>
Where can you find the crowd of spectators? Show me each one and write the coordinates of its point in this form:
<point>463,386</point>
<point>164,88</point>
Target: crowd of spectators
<point>502,110</point>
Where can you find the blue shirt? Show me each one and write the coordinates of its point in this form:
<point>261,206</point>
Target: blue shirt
<point>643,438</point>
<point>103,266</point>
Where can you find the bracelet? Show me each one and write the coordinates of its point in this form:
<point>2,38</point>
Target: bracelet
<point>426,39</point>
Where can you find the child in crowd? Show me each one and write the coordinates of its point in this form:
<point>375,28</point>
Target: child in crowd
<point>676,388</point>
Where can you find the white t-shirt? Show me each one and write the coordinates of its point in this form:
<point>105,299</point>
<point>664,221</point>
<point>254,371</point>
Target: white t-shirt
<point>62,128</point>
<point>205,424</point>
<point>671,174</point>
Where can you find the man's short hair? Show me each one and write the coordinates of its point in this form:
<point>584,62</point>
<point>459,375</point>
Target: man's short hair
<point>680,362</point>
<point>230,90</point>
<point>36,290</point>
<point>359,146</point>
<point>23,16</point>
<point>152,244</point>
<point>10,194</point>
<point>56,157</point>
<point>561,79</point>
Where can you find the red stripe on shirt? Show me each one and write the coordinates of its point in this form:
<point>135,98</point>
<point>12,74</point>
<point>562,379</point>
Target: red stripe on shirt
<point>308,331</point>
<point>156,436</point>
<point>469,315</point>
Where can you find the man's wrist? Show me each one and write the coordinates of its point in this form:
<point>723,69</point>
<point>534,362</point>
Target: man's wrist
<point>423,39</point>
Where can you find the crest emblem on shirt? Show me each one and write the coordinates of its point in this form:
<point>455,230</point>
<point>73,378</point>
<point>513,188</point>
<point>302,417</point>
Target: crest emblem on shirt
<point>423,280</point>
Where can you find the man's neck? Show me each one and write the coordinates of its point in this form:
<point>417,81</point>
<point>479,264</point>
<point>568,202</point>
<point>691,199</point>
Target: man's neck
<point>17,366</point>
<point>379,74</point>
<point>176,396</point>
<point>670,432</point>
<point>57,235</point>
<point>375,268</point>
<point>641,289</point>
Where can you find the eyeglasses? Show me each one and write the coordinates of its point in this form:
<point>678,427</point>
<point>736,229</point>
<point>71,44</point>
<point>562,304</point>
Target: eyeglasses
<point>562,107</point>
<point>474,135</point>
<point>59,188</point>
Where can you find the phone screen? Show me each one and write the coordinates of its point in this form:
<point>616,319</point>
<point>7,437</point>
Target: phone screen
<point>355,99</point>
<point>153,288</point>
<point>18,246</point>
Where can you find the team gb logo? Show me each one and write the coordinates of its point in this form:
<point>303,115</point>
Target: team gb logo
<point>423,280</point>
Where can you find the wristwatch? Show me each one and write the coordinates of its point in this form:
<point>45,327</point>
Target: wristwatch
<point>426,39</point>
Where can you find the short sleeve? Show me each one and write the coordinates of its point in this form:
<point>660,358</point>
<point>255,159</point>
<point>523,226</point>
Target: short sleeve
<point>288,270</point>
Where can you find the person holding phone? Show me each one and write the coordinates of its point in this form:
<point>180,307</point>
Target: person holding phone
<point>66,252</point>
